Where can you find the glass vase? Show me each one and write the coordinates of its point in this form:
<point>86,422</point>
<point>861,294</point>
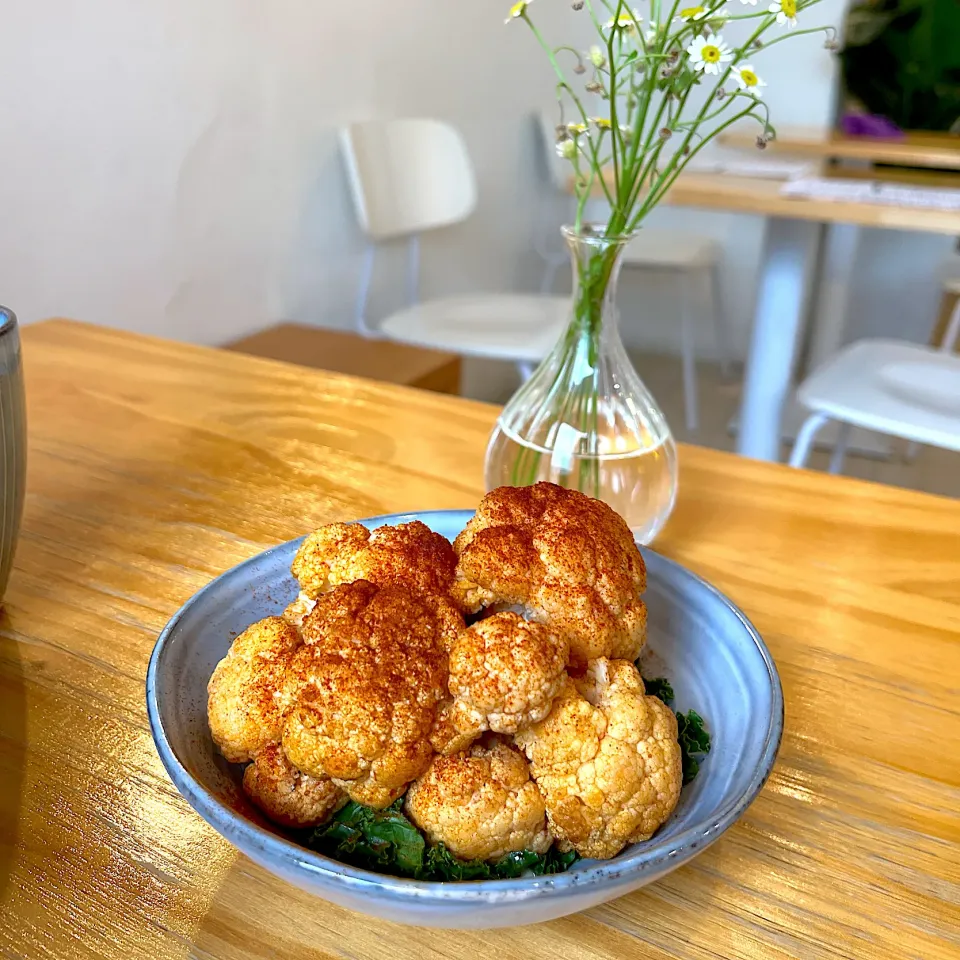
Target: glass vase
<point>584,419</point>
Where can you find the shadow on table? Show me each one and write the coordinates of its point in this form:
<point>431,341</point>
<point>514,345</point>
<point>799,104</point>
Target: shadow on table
<point>13,749</point>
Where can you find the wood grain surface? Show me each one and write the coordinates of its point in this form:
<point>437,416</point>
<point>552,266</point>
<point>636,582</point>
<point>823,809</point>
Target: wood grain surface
<point>761,196</point>
<point>154,467</point>
<point>914,149</point>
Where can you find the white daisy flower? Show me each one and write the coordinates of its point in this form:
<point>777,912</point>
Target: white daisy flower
<point>692,13</point>
<point>626,21</point>
<point>567,149</point>
<point>707,54</point>
<point>518,10</point>
<point>575,129</point>
<point>601,123</point>
<point>752,3</point>
<point>748,80</point>
<point>786,11</point>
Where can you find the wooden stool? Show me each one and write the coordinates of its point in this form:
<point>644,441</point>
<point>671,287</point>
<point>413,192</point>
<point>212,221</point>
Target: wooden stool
<point>344,352</point>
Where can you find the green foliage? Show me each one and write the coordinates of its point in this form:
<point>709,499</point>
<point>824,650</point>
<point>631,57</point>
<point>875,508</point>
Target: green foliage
<point>694,742</point>
<point>902,60</point>
<point>691,731</point>
<point>385,841</point>
<point>660,688</point>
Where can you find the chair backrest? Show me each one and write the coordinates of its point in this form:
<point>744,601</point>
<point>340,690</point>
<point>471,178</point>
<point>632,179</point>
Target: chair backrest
<point>407,176</point>
<point>558,169</point>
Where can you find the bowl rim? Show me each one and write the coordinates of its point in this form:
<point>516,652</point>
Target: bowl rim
<point>682,847</point>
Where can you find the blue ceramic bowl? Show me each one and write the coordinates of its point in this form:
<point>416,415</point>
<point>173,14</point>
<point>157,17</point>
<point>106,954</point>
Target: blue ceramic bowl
<point>697,638</point>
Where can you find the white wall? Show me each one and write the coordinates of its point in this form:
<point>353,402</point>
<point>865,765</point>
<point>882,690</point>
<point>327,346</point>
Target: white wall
<point>170,166</point>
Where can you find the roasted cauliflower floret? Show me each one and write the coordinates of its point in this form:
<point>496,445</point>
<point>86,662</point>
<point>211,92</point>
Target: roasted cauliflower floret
<point>504,674</point>
<point>287,796</point>
<point>482,804</point>
<point>367,691</point>
<point>409,553</point>
<point>606,760</point>
<point>246,700</point>
<point>568,560</point>
<point>361,613</point>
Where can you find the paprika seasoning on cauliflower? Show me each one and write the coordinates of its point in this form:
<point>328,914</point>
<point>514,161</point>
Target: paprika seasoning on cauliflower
<point>286,795</point>
<point>366,690</point>
<point>482,804</point>
<point>407,553</point>
<point>568,560</point>
<point>246,700</point>
<point>606,760</point>
<point>504,674</point>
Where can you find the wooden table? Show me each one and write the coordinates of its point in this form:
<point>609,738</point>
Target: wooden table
<point>155,466</point>
<point>914,149</point>
<point>804,270</point>
<point>761,196</point>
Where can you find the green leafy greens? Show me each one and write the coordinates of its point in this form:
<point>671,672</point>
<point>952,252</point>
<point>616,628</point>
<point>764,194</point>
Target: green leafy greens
<point>387,842</point>
<point>692,734</point>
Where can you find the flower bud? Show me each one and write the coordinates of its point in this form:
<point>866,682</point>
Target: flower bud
<point>665,133</point>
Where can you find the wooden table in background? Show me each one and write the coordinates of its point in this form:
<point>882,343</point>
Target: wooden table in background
<point>914,149</point>
<point>792,264</point>
<point>156,466</point>
<point>761,195</point>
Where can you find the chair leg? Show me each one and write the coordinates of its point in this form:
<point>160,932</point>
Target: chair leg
<point>721,333</point>
<point>953,330</point>
<point>804,442</point>
<point>688,357</point>
<point>840,450</point>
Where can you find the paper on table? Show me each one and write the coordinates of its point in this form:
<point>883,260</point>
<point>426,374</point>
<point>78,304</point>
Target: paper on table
<point>741,167</point>
<point>872,191</point>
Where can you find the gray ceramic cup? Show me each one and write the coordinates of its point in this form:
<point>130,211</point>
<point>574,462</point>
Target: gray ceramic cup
<point>13,442</point>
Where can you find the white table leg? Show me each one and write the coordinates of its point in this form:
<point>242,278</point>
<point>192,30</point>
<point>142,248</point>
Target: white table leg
<point>833,292</point>
<point>789,261</point>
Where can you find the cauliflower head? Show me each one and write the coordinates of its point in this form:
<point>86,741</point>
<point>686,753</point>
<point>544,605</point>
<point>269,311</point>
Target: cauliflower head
<point>367,691</point>
<point>362,614</point>
<point>606,760</point>
<point>287,796</point>
<point>482,804</point>
<point>504,674</point>
<point>568,560</point>
<point>408,553</point>
<point>246,701</point>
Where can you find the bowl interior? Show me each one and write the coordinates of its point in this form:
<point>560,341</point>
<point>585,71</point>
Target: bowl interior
<point>713,657</point>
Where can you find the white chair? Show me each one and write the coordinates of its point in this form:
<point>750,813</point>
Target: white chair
<point>691,260</point>
<point>409,176</point>
<point>895,388</point>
